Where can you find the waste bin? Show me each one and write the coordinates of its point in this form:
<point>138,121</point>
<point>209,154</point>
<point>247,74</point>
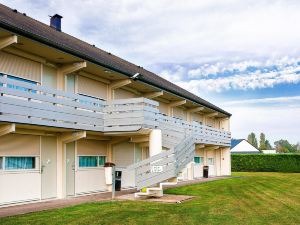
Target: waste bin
<point>205,171</point>
<point>118,177</point>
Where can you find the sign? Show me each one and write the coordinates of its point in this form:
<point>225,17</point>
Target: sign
<point>156,169</point>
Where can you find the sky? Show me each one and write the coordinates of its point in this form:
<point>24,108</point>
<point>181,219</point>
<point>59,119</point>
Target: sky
<point>243,56</point>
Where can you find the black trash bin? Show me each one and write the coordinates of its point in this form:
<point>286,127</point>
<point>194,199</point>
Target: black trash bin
<point>205,171</point>
<point>118,177</point>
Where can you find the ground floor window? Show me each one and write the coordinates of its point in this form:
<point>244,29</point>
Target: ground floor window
<point>198,160</point>
<point>210,161</point>
<point>91,161</point>
<point>20,163</point>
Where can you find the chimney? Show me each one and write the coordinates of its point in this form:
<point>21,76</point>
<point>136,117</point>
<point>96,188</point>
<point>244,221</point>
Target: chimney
<point>55,22</point>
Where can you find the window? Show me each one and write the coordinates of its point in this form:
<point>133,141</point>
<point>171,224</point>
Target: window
<point>1,163</point>
<point>91,161</point>
<point>102,160</point>
<point>198,160</point>
<point>70,83</point>
<point>18,79</point>
<point>210,161</point>
<point>90,102</point>
<point>19,163</point>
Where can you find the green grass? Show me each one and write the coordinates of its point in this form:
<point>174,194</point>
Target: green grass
<point>249,198</point>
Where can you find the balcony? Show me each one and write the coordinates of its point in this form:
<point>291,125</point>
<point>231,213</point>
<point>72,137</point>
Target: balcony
<point>27,103</point>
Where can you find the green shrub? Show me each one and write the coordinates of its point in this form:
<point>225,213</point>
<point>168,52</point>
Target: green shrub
<point>265,163</point>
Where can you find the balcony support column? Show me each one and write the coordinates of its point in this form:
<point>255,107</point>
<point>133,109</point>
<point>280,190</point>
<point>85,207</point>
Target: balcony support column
<point>155,142</point>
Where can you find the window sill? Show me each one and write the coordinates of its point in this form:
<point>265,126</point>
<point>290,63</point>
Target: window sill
<point>19,171</point>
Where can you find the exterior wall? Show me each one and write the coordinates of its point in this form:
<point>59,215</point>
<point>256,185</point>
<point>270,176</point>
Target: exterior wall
<point>198,168</point>
<point>124,155</point>
<point>197,117</point>
<point>88,180</point>
<point>19,66</point>
<point>123,94</point>
<point>225,124</point>
<point>179,112</point>
<point>20,185</point>
<point>210,122</point>
<point>92,87</point>
<point>49,77</point>
<point>226,162</point>
<point>163,108</point>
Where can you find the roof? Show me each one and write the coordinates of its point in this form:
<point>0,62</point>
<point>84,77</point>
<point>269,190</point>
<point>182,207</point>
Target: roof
<point>38,31</point>
<point>235,142</point>
<point>238,147</point>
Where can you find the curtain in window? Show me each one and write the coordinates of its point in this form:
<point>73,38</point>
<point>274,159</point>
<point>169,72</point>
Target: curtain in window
<point>87,161</point>
<point>102,160</point>
<point>197,160</point>
<point>18,87</point>
<point>18,79</point>
<point>1,84</point>
<point>17,163</point>
<point>1,163</point>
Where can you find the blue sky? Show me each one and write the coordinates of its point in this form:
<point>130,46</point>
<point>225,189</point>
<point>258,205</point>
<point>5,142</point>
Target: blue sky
<point>240,55</point>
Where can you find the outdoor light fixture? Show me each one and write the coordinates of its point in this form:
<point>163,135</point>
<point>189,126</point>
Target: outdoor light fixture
<point>135,76</point>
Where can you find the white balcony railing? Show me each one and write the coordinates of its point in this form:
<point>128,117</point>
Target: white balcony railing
<point>22,102</point>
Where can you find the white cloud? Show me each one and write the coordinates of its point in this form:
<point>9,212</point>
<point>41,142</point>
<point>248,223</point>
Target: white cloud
<point>178,31</point>
<point>255,80</point>
<point>291,100</point>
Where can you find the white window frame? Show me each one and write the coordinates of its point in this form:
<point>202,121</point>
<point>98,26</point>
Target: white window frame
<point>91,167</point>
<point>209,162</point>
<point>201,160</point>
<point>37,163</point>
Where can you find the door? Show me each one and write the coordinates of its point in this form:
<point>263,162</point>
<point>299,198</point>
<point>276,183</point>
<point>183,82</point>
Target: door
<point>70,169</point>
<point>211,164</point>
<point>48,167</point>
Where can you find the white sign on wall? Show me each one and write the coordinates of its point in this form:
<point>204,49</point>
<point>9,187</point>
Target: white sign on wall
<point>156,169</point>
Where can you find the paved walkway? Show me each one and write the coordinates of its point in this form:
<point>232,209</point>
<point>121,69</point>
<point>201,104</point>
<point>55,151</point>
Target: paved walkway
<point>61,203</point>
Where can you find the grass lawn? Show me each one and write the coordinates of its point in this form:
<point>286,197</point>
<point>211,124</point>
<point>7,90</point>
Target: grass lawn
<point>250,198</point>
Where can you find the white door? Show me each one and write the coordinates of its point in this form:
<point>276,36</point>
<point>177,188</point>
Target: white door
<point>70,169</point>
<point>211,166</point>
<point>48,167</point>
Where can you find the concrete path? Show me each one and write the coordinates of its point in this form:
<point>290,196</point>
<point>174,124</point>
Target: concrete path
<point>58,203</point>
<point>62,203</point>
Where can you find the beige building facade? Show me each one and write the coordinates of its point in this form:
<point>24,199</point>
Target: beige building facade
<point>64,113</point>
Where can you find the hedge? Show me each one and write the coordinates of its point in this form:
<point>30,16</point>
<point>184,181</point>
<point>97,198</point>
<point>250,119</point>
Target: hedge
<point>265,163</point>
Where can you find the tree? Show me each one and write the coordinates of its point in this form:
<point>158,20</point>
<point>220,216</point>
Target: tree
<point>268,145</point>
<point>252,140</point>
<point>262,141</point>
<point>284,146</point>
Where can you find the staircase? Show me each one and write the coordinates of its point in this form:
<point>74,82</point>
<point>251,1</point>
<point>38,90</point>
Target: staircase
<point>160,168</point>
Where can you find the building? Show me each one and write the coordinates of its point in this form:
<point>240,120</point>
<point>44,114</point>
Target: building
<point>242,146</point>
<point>67,107</point>
<point>270,151</point>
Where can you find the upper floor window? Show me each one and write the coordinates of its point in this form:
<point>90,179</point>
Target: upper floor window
<point>90,102</point>
<point>18,79</point>
<point>1,163</point>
